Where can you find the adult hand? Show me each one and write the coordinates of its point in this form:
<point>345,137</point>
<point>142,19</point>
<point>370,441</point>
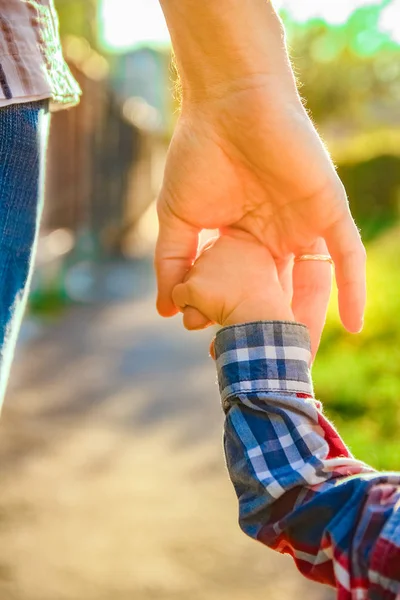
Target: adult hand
<point>245,154</point>
<point>252,159</point>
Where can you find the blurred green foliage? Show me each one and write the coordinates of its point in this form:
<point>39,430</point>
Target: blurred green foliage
<point>373,186</point>
<point>350,73</point>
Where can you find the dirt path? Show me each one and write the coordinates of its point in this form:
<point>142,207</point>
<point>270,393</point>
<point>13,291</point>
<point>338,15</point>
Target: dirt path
<point>113,485</point>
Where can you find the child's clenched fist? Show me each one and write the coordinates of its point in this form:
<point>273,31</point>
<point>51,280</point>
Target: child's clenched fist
<point>234,280</point>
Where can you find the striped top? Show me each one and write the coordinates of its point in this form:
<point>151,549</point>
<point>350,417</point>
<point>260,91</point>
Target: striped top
<point>32,66</point>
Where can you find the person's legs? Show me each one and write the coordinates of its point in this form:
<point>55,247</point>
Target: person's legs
<point>23,138</point>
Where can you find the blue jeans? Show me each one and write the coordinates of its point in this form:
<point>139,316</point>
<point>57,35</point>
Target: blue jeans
<point>23,138</point>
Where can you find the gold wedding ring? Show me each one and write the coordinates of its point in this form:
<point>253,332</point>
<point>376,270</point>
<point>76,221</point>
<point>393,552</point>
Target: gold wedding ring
<point>308,257</point>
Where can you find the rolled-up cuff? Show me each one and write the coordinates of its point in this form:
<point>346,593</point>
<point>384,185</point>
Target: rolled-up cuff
<point>264,356</point>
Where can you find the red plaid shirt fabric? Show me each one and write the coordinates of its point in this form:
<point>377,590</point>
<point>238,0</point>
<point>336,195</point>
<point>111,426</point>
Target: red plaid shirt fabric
<point>32,66</point>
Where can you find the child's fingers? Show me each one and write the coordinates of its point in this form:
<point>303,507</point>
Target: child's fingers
<point>193,319</point>
<point>181,296</point>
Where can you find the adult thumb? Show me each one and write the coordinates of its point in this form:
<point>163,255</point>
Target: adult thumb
<point>176,250</point>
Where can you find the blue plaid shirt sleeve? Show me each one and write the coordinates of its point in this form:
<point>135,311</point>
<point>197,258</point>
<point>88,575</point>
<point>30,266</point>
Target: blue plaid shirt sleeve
<point>300,491</point>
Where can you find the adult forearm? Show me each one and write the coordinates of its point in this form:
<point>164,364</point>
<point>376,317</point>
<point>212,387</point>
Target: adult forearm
<point>226,43</point>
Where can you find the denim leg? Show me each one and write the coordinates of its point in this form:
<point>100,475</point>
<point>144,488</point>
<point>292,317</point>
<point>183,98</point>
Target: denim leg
<point>23,138</point>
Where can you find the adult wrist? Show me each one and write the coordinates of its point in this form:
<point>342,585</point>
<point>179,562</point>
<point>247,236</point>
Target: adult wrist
<point>227,46</point>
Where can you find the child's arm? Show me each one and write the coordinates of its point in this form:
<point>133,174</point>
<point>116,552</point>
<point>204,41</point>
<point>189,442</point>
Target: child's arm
<point>300,491</point>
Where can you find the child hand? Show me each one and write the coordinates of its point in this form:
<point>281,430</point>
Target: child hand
<point>234,280</point>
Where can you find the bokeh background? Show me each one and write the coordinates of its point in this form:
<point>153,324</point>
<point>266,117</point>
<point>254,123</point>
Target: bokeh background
<point>113,484</point>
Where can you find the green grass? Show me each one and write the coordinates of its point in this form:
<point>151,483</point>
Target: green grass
<point>358,377</point>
